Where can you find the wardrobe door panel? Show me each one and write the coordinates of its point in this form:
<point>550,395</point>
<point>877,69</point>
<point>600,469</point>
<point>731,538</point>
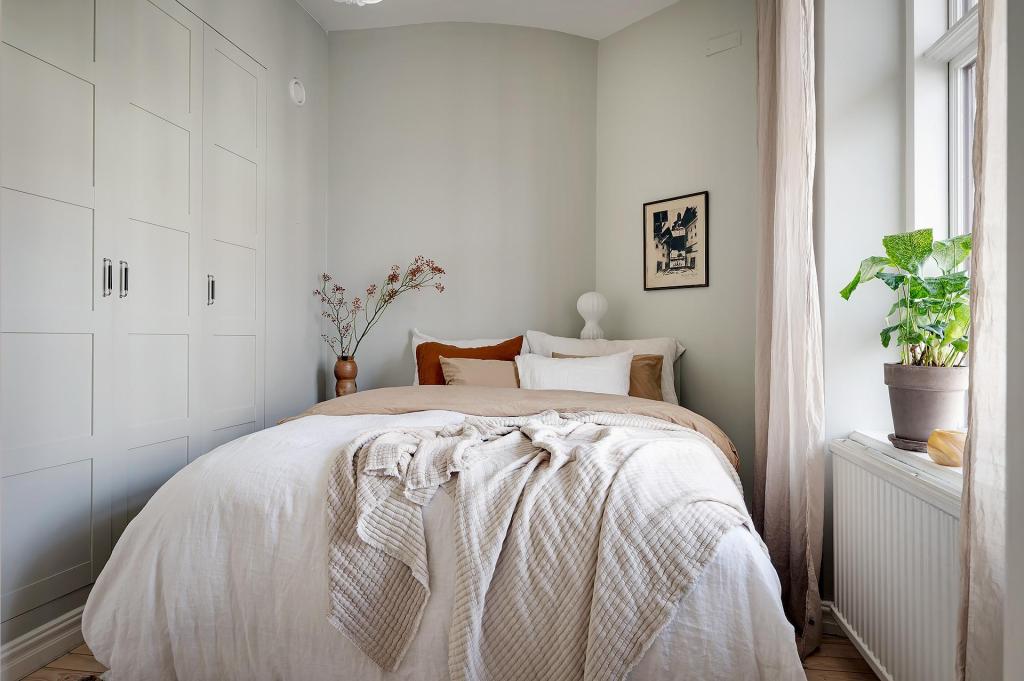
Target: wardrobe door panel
<point>46,129</point>
<point>46,256</point>
<point>159,270</point>
<point>152,466</point>
<point>55,323</point>
<point>234,113</point>
<point>46,535</point>
<point>159,169</point>
<point>158,325</point>
<point>232,99</point>
<point>60,32</point>
<point>46,388</point>
<point>224,435</point>
<point>236,285</point>
<point>232,398</point>
<point>161,69</point>
<point>231,198</point>
<point>157,368</point>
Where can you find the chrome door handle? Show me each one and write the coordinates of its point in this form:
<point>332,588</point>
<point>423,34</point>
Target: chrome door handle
<point>108,277</point>
<point>211,289</point>
<point>124,279</point>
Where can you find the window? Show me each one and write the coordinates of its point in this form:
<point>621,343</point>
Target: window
<point>958,48</point>
<point>958,8</point>
<point>963,128</point>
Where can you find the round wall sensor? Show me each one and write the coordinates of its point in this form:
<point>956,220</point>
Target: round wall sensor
<point>297,91</point>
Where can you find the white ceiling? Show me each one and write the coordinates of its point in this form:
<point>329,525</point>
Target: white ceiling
<point>588,18</point>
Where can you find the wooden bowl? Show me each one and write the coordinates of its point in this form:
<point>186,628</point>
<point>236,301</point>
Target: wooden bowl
<point>946,447</point>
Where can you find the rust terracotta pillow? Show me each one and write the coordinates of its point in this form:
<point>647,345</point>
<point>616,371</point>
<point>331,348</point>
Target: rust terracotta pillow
<point>428,357</point>
<point>644,375</point>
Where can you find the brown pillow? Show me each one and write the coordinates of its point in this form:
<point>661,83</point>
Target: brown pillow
<point>493,373</point>
<point>428,357</point>
<point>644,375</point>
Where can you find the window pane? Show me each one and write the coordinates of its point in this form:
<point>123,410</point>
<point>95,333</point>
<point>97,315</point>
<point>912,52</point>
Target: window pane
<point>960,8</point>
<point>966,171</point>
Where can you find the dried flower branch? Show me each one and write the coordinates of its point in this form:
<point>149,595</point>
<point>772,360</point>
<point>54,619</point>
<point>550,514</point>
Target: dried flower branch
<point>353,319</point>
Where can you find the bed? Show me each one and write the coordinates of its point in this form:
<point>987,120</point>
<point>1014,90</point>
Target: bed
<point>224,574</point>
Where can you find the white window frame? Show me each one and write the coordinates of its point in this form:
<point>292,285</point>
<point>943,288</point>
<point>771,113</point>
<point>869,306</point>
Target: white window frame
<point>960,199</point>
<point>957,48</point>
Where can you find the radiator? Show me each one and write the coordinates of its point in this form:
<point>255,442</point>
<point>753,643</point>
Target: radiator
<point>895,535</point>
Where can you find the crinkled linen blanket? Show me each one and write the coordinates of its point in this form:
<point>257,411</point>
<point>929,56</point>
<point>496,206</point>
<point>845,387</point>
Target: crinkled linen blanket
<point>576,533</point>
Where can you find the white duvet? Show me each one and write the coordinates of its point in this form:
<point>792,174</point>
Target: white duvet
<point>223,577</point>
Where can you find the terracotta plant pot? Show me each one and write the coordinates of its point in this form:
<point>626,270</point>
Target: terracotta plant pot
<point>924,399</point>
<point>345,371</point>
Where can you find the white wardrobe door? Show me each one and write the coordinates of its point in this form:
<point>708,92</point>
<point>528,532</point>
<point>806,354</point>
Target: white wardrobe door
<point>55,322</point>
<point>234,133</point>
<point>159,288</point>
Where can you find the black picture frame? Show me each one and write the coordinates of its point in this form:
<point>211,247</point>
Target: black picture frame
<point>675,249</point>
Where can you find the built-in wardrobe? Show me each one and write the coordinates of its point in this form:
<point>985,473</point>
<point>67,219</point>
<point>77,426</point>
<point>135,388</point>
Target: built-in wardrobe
<point>132,275</point>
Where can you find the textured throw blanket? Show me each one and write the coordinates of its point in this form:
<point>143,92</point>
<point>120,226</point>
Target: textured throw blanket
<point>480,401</point>
<point>576,537</point>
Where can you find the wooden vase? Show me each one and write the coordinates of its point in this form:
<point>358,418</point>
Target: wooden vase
<point>345,371</point>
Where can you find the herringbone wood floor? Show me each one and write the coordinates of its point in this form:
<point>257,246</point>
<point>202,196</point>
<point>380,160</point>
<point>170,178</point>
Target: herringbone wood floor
<point>77,665</point>
<point>837,660</point>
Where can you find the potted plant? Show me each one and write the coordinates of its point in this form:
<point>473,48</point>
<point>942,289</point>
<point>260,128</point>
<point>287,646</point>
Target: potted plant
<point>929,321</point>
<point>353,319</point>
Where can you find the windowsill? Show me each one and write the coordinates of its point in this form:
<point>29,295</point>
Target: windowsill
<point>917,463</point>
<point>919,476</point>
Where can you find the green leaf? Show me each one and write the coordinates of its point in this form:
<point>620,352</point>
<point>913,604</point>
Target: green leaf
<point>957,328</point>
<point>869,268</point>
<point>952,253</point>
<point>922,287</point>
<point>909,250</point>
<point>851,287</point>
<point>954,332</point>
<point>893,281</point>
<point>909,336</point>
<point>962,313</point>
<point>961,344</point>
<point>900,304</point>
<point>887,334</point>
<point>949,284</point>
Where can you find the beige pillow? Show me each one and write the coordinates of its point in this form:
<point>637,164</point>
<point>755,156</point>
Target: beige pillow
<point>669,348</point>
<point>644,375</point>
<point>492,373</point>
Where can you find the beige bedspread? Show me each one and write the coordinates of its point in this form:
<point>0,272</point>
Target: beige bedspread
<point>479,401</point>
<point>577,534</point>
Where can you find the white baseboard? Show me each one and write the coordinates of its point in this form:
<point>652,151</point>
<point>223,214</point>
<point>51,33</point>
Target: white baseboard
<point>833,616</point>
<point>34,649</point>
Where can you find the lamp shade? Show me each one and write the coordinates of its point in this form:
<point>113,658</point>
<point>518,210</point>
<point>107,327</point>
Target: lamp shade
<point>592,306</point>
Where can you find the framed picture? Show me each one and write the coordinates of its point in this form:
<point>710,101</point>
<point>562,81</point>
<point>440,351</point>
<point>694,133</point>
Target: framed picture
<point>676,242</point>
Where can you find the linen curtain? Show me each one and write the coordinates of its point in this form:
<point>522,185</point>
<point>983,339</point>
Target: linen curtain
<point>789,453</point>
<point>983,511</point>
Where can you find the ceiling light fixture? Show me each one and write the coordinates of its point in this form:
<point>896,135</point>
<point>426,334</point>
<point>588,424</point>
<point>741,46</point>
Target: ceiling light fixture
<point>357,3</point>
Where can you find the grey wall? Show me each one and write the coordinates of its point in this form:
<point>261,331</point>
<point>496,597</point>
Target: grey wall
<point>859,198</point>
<point>671,121</point>
<point>472,144</point>
<point>1014,618</point>
<point>285,39</point>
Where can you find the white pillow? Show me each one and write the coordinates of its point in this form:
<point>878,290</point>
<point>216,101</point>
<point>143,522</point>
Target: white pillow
<point>669,348</point>
<point>419,337</point>
<point>606,374</point>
